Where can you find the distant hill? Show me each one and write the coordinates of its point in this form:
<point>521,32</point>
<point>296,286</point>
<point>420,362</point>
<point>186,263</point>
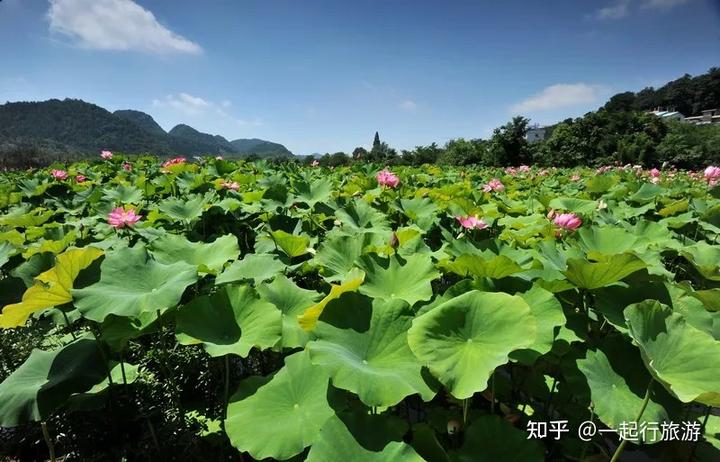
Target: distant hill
<point>76,125</point>
<point>41,132</point>
<point>142,120</point>
<point>184,138</point>
<point>688,95</point>
<point>260,147</point>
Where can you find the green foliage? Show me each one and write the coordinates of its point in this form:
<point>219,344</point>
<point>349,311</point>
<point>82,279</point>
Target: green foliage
<point>313,315</point>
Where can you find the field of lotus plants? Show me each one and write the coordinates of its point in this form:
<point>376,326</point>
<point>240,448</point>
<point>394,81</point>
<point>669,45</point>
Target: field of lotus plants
<point>229,310</point>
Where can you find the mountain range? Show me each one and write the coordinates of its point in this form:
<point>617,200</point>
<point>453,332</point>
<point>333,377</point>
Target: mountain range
<point>71,128</point>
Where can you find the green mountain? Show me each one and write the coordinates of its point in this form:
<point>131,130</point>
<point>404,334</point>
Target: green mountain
<point>75,125</point>
<point>688,95</point>
<point>142,120</point>
<point>185,139</point>
<point>36,133</point>
<point>261,148</point>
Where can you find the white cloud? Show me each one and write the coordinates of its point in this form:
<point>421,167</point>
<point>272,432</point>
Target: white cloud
<point>408,105</point>
<point>199,108</point>
<point>662,4</point>
<point>617,11</point>
<point>559,95</point>
<point>185,103</point>
<point>621,8</point>
<point>115,25</point>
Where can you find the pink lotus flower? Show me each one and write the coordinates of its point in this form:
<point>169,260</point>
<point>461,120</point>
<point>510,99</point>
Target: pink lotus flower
<point>127,166</point>
<point>511,171</point>
<point>568,221</point>
<point>575,177</point>
<point>315,163</point>
<point>523,169</point>
<point>494,185</point>
<point>387,178</point>
<point>119,218</point>
<point>712,175</point>
<point>655,173</point>
<point>175,161</point>
<point>80,178</point>
<point>59,174</point>
<point>471,222</point>
<point>655,180</point>
<point>230,185</point>
<point>106,155</point>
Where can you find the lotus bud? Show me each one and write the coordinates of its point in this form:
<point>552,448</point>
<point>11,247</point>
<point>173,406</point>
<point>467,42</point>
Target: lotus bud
<point>551,214</point>
<point>453,426</point>
<point>394,242</point>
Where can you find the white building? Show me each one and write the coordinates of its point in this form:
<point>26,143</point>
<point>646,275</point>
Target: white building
<point>668,115</point>
<point>709,116</point>
<point>536,133</point>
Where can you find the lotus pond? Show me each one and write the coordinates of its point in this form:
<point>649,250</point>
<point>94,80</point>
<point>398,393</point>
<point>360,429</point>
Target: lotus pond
<point>220,310</point>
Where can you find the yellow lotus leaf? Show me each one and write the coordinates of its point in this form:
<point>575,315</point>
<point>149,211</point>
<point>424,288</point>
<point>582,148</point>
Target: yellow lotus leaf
<point>309,318</point>
<point>51,288</point>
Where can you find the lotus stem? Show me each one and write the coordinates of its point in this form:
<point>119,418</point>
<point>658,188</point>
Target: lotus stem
<point>623,443</point>
<point>466,405</point>
<point>492,393</point>
<point>227,383</point>
<point>67,323</point>
<point>702,431</point>
<point>48,440</point>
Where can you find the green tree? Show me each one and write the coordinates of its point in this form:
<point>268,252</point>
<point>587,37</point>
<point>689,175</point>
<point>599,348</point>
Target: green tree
<point>508,144</point>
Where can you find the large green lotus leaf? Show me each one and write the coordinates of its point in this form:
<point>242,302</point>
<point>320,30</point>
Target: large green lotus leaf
<point>549,315</point>
<point>186,210</point>
<point>705,258</point>
<point>7,250</point>
<point>710,298</point>
<point>426,443</point>
<point>25,217</point>
<point>96,396</point>
<point>254,266</point>
<point>694,312</point>
<point>654,235</point>
<point>232,320</point>
<point>604,271</point>
<point>132,282</point>
<point>572,204</point>
<point>496,267</point>
<point>420,210</point>
<point>359,215</point>
<point>398,278</point>
<point>283,416</point>
<point>605,240</point>
<point>611,301</point>
<point>292,301</point>
<point>291,245</point>
<point>618,381</point>
<point>207,257</point>
<point>684,359</point>
<point>311,193</point>
<point>117,331</point>
<point>601,183</point>
<point>336,442</point>
<point>492,439</point>
<point>46,380</point>
<point>363,345</point>
<point>338,253</point>
<point>51,288</point>
<point>647,193</point>
<point>463,340</point>
<point>123,194</point>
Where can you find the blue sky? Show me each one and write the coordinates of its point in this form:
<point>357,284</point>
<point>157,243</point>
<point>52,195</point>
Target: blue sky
<point>322,76</point>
